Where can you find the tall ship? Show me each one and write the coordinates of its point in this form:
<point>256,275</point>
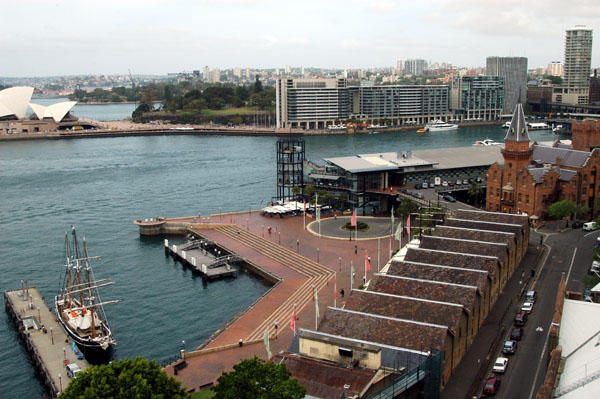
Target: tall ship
<point>78,306</point>
<point>438,126</point>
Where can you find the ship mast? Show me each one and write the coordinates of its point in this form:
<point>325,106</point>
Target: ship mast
<point>87,270</point>
<point>76,245</point>
<point>68,266</point>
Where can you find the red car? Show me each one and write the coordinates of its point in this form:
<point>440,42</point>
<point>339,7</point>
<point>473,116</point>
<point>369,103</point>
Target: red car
<point>520,319</point>
<point>492,385</point>
<point>516,334</point>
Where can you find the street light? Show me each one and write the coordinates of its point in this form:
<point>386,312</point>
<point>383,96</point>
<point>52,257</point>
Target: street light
<point>317,255</point>
<point>263,231</point>
<point>298,246</point>
<point>340,263</point>
<point>279,235</point>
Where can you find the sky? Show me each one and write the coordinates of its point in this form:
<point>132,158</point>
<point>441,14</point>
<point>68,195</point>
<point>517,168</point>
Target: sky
<point>76,37</point>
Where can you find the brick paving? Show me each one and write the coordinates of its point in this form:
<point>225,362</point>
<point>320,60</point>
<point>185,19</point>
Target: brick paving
<point>278,253</point>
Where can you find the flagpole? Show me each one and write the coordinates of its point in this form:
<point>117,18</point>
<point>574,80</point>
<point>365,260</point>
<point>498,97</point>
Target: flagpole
<point>304,216</point>
<point>351,275</point>
<point>316,307</point>
<point>378,240</point>
<point>365,279</point>
<point>335,290</point>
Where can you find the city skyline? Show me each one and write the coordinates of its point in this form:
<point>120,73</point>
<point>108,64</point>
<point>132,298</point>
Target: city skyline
<point>157,37</point>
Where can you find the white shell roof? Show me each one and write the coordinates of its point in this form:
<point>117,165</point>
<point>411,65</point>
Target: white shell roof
<point>14,101</point>
<point>55,111</point>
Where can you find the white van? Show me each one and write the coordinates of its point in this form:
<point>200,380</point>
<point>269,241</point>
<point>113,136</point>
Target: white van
<point>590,226</point>
<point>437,181</point>
<point>73,370</point>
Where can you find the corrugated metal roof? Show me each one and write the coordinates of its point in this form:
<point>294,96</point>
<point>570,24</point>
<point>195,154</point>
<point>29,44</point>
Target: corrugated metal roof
<point>572,158</point>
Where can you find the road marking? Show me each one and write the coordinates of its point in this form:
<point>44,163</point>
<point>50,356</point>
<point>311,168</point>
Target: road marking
<point>590,233</point>
<point>537,372</point>
<point>570,267</point>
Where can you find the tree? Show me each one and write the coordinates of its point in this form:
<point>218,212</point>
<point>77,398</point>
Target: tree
<point>561,209</point>
<point>255,379</point>
<point>475,190</point>
<point>582,210</point>
<point>343,200</point>
<point>407,206</point>
<point>309,191</point>
<point>296,190</point>
<point>128,378</point>
<point>257,85</point>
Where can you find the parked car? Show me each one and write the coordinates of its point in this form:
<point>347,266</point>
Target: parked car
<point>527,307</point>
<point>449,198</point>
<point>595,268</point>
<point>492,385</point>
<point>451,183</point>
<point>458,182</point>
<point>479,180</point>
<point>510,347</point>
<point>500,365</point>
<point>520,319</point>
<point>437,181</point>
<point>425,185</point>
<point>531,296</point>
<point>419,196</point>
<point>73,370</point>
<point>590,226</point>
<point>577,224</point>
<point>444,183</point>
<point>516,334</point>
<point>418,186</point>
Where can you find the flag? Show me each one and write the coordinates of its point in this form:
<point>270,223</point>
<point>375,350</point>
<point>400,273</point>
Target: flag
<point>367,262</point>
<point>316,305</point>
<point>353,220</point>
<point>293,320</point>
<point>392,216</point>
<point>398,231</point>
<point>318,214</point>
<point>352,273</point>
<point>304,205</point>
<point>266,339</point>
<point>408,226</point>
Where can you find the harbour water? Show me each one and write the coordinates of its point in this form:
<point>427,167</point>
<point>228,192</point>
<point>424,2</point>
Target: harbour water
<point>101,185</point>
<point>99,112</point>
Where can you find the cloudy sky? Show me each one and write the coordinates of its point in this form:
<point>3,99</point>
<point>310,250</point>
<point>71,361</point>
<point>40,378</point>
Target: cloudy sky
<point>66,37</point>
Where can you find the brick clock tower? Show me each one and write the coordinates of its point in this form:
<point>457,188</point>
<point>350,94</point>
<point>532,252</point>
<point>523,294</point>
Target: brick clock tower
<point>517,153</point>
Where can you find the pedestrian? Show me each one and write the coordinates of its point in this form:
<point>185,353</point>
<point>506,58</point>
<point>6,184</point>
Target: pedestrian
<point>335,216</point>
<point>541,240</point>
<point>355,250</point>
<point>241,342</point>
<point>342,292</point>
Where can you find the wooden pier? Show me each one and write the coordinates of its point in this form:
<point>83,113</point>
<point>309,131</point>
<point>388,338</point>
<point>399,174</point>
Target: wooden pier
<point>205,258</point>
<point>43,337</point>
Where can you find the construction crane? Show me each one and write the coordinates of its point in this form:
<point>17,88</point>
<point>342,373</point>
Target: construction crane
<point>131,78</point>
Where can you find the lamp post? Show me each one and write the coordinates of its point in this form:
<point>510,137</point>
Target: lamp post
<point>298,246</point>
<point>247,224</point>
<point>60,382</point>
<point>263,231</point>
<point>340,263</point>
<point>317,255</point>
<point>279,235</point>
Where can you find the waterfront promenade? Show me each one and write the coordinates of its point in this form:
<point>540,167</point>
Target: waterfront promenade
<point>302,260</point>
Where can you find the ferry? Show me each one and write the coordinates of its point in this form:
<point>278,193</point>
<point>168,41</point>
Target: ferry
<point>506,125</point>
<point>438,126</point>
<point>538,126</point>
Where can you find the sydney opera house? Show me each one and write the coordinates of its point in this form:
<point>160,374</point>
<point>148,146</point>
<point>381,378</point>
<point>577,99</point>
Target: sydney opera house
<point>14,103</point>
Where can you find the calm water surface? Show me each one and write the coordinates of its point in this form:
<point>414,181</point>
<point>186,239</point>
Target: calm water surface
<point>101,185</point>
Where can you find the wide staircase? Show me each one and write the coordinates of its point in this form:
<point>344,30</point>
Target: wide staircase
<point>317,275</point>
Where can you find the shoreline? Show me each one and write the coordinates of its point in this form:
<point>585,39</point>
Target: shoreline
<point>127,128</point>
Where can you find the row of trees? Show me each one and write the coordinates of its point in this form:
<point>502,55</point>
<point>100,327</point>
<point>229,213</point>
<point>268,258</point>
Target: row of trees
<point>140,378</point>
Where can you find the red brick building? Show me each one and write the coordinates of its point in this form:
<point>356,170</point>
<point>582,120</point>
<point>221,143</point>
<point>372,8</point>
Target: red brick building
<point>535,176</point>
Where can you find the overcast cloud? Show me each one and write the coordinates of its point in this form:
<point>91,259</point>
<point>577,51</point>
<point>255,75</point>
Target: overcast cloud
<point>44,38</point>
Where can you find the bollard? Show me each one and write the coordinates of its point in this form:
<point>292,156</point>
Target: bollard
<point>194,262</point>
<point>60,382</point>
<point>166,243</point>
<point>52,335</point>
<point>175,249</point>
<point>39,315</point>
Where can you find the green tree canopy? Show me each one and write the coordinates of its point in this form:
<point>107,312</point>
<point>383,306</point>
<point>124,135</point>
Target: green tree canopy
<point>309,190</point>
<point>255,379</point>
<point>407,206</point>
<point>128,378</point>
<point>560,209</point>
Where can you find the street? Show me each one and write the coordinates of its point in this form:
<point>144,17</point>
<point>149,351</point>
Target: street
<point>570,253</point>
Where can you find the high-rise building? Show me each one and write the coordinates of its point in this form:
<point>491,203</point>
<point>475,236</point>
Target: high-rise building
<point>237,72</point>
<point>247,73</point>
<point>577,66</point>
<point>514,72</point>
<point>555,68</point>
<point>477,97</point>
<point>400,66</point>
<point>415,67</point>
<point>206,73</point>
<point>288,69</point>
<point>216,75</point>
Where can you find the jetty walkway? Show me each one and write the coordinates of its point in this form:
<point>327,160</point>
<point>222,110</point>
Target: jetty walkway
<point>44,338</point>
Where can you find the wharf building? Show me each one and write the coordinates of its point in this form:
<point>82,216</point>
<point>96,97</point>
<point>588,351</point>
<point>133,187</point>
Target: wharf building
<point>477,97</point>
<point>514,72</point>
<point>416,319</point>
<point>576,68</point>
<point>371,180</point>
<point>534,176</point>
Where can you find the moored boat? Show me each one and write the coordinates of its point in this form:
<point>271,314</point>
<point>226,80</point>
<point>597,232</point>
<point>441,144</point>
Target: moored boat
<point>78,306</point>
<point>486,143</point>
<point>421,131</point>
<point>438,125</point>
